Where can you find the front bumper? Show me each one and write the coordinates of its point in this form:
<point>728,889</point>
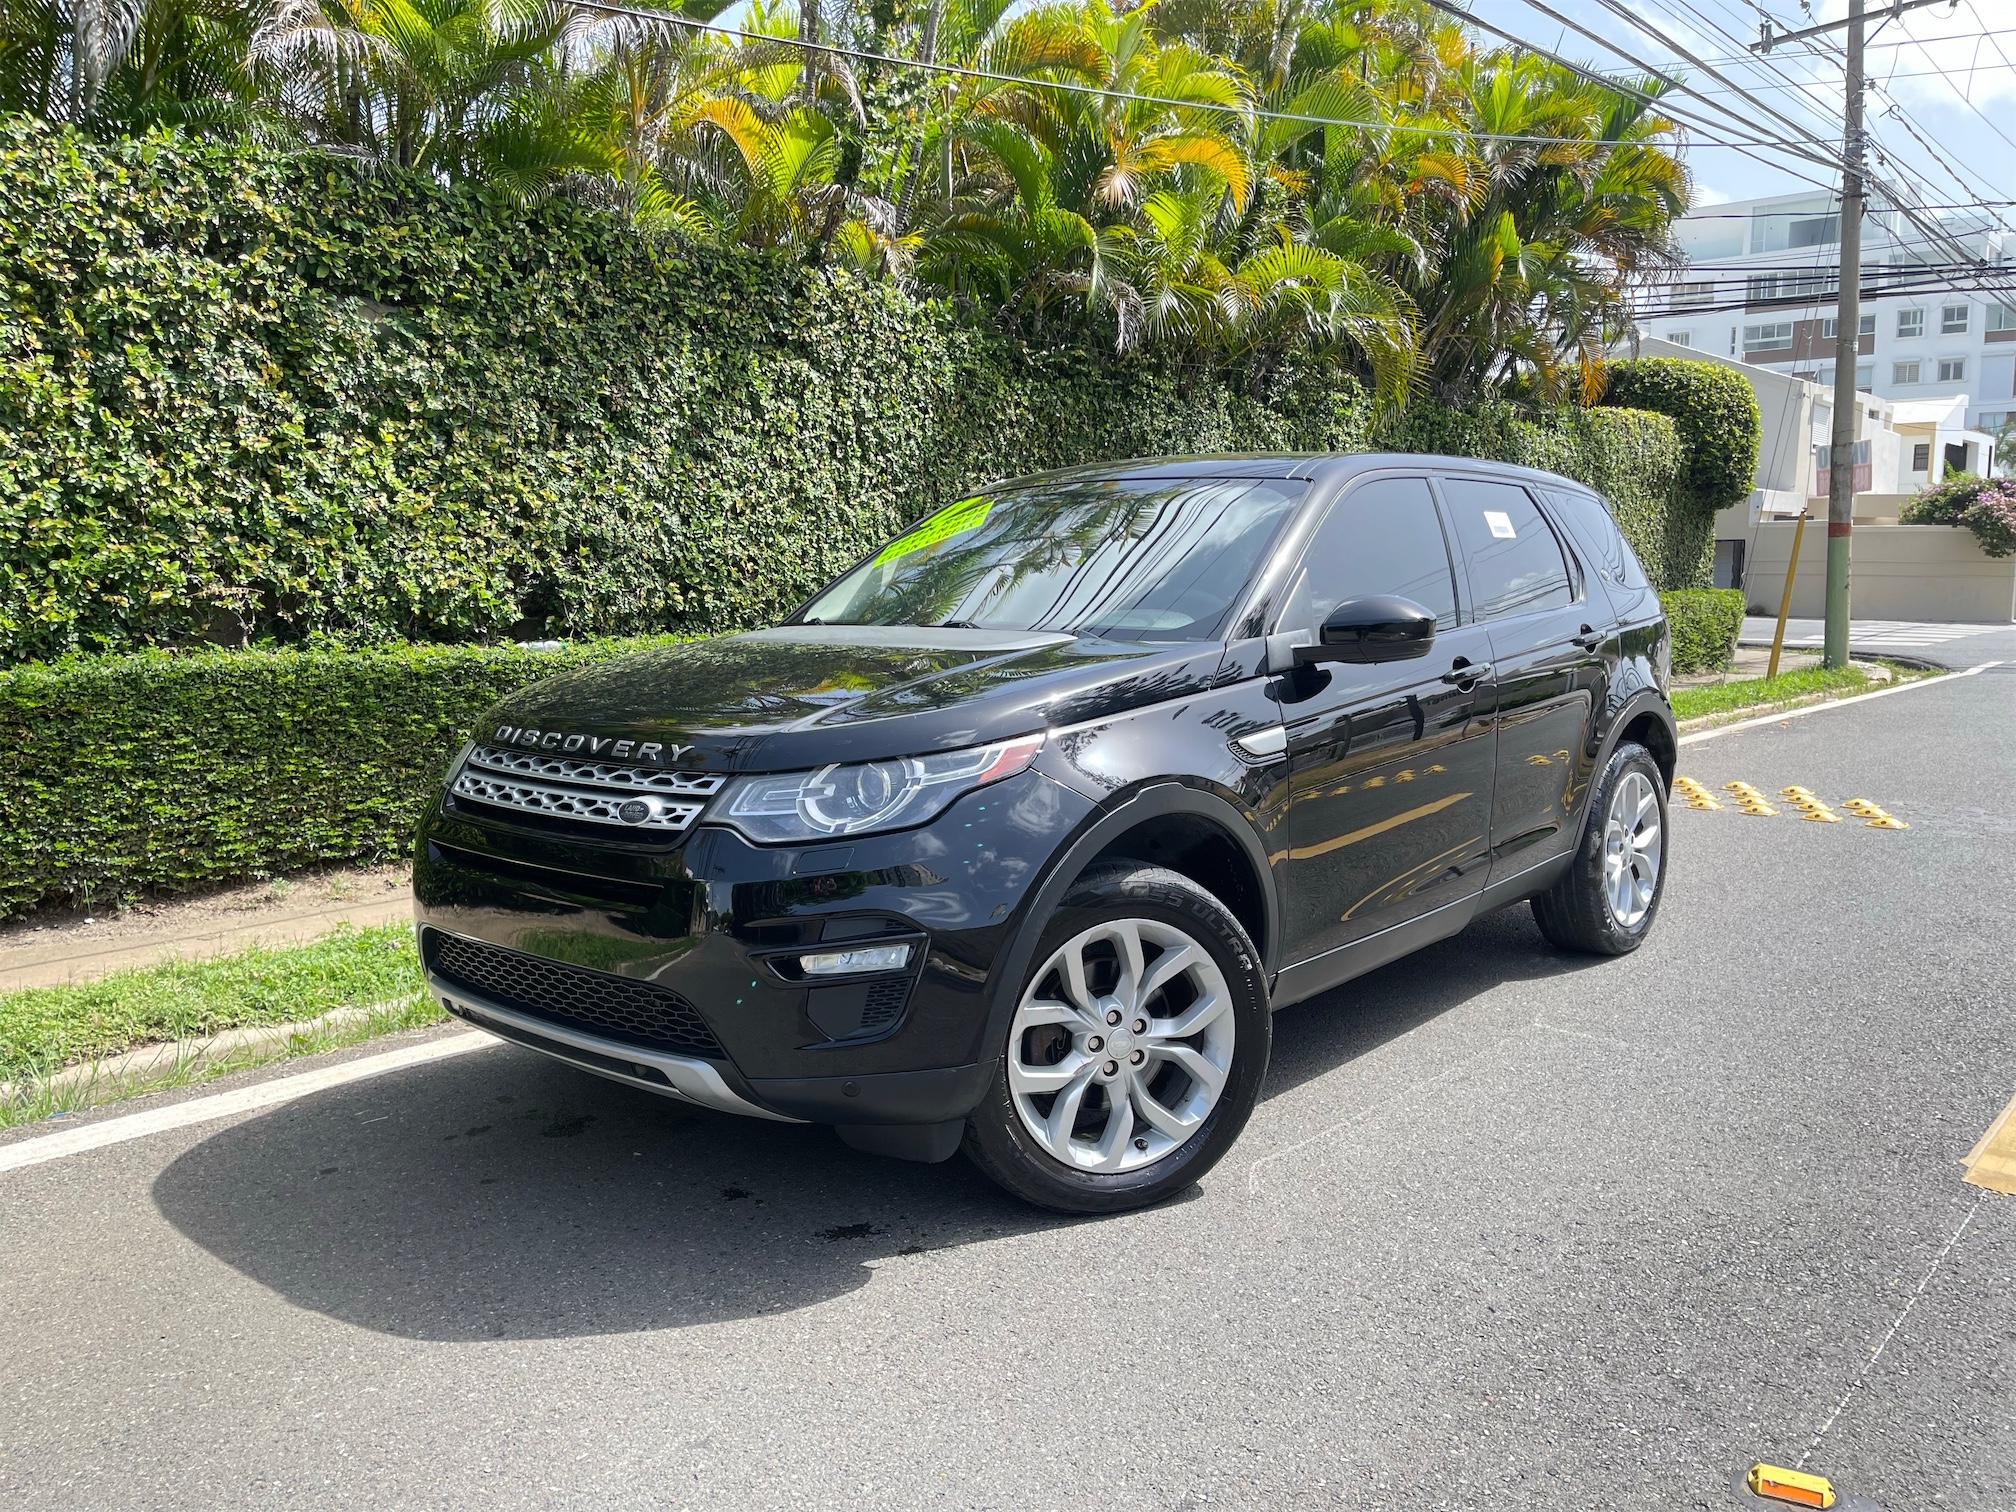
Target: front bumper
<point>678,1076</point>
<point>710,927</point>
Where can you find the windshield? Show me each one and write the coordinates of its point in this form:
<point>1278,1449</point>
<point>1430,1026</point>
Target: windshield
<point>1142,560</point>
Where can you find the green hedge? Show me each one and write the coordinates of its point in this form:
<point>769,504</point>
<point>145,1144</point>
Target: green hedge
<point>245,393</point>
<point>162,772</point>
<point>1705,623</point>
<point>1632,456</point>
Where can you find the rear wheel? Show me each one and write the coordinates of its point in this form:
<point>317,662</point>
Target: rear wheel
<point>1136,1051</point>
<point>1606,902</point>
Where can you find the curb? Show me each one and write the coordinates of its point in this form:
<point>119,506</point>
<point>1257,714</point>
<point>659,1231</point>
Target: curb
<point>131,1071</point>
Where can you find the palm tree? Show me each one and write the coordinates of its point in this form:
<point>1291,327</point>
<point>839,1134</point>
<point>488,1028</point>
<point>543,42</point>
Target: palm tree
<point>445,87</point>
<point>1184,281</point>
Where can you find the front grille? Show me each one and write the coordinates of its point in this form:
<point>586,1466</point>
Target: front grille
<point>598,792</point>
<point>638,1013</point>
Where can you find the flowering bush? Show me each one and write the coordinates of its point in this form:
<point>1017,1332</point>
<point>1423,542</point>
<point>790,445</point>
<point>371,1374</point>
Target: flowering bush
<point>1986,506</point>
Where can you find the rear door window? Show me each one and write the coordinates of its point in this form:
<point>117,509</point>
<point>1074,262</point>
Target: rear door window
<point>1516,563</point>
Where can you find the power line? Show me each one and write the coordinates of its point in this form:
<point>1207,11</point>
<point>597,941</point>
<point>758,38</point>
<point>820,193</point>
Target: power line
<point>1625,13</point>
<point>1604,42</point>
<point>2002,31</point>
<point>1664,106</point>
<point>1896,110</point>
<point>1966,284</point>
<point>1964,99</point>
<point>1805,84</point>
<point>1831,160</point>
<point>1799,90</point>
<point>1694,215</point>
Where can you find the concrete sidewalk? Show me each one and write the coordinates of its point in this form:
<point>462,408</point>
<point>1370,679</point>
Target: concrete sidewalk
<point>50,950</point>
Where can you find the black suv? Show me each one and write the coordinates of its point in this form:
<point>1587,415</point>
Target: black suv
<point>1012,837</point>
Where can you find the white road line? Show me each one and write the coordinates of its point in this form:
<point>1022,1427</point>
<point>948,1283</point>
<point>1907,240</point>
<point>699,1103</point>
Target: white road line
<point>1877,1354</point>
<point>268,1094</point>
<point>1837,703</point>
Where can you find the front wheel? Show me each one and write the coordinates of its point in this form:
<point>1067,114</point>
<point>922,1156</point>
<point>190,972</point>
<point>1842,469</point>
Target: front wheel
<point>1606,902</point>
<point>1136,1052</point>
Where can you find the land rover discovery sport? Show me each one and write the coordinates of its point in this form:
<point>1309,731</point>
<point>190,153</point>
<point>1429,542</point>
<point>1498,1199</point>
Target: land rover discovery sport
<point>1012,838</point>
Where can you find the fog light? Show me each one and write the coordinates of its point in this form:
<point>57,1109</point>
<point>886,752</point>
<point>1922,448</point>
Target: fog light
<point>847,962</point>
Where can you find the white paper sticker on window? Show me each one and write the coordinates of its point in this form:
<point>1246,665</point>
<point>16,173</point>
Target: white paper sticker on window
<point>1501,524</point>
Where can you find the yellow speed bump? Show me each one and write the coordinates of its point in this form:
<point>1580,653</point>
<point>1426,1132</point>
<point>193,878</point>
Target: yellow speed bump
<point>1749,800</point>
<point>1812,809</point>
<point>1795,1487</point>
<point>1877,816</point>
<point>1992,1162</point>
<point>1696,796</point>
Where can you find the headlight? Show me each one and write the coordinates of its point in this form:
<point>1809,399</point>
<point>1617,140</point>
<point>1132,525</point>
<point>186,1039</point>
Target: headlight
<point>797,807</point>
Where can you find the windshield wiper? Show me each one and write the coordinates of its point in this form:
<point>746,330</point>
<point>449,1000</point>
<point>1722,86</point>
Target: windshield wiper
<point>957,625</point>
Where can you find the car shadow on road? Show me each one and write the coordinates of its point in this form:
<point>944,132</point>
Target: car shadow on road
<point>500,1195</point>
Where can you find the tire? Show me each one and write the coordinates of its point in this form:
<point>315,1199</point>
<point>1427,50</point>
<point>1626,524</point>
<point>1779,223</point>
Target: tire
<point>1059,1047</point>
<point>1590,909</point>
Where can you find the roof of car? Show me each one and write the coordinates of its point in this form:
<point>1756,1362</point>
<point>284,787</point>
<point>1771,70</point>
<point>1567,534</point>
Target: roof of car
<point>1326,466</point>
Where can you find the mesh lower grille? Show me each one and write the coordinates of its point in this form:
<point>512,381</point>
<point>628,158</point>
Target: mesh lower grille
<point>635,1012</point>
<point>885,1003</point>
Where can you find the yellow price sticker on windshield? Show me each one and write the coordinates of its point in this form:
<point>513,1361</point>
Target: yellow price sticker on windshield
<point>955,519</point>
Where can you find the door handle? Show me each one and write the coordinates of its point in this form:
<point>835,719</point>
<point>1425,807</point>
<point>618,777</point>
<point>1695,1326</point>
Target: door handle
<point>1590,638</point>
<point>1465,672</point>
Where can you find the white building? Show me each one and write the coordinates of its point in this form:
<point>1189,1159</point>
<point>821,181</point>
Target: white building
<point>1798,428</point>
<point>1761,284</point>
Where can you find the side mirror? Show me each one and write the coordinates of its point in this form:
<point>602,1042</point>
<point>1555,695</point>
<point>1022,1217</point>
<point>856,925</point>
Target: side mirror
<point>1376,627</point>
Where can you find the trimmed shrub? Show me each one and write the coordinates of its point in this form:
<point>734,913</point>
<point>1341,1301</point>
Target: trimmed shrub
<point>1721,433</point>
<point>1705,623</point>
<point>166,772</point>
<point>1986,506</point>
<point>250,394</point>
<point>1721,430</point>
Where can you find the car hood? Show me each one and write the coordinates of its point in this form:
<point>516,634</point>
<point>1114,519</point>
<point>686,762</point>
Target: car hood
<point>804,695</point>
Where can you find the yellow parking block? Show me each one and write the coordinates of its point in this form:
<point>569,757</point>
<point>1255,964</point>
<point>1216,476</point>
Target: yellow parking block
<point>1794,1487</point>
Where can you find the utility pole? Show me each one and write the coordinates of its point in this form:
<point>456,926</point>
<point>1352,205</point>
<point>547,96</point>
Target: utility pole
<point>1848,311</point>
<point>1847,344</point>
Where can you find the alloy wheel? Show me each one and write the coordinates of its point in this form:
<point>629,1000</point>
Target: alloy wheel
<point>1121,1046</point>
<point>1632,842</point>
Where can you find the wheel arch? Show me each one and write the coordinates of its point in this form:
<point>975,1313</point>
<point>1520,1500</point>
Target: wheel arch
<point>1648,720</point>
<point>1169,824</point>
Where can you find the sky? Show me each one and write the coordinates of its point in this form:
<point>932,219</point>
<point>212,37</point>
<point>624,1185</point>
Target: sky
<point>1941,109</point>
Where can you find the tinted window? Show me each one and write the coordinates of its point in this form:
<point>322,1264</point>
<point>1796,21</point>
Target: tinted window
<point>1382,537</point>
<point>1590,521</point>
<point>1516,566</point>
<point>1146,559</point>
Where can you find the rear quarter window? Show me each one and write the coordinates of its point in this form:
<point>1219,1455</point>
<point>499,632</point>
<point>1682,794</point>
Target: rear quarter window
<point>1595,530</point>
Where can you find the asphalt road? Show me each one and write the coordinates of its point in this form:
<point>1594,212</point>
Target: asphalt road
<point>1510,1230</point>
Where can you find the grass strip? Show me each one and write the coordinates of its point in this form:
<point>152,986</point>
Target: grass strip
<point>43,1029</point>
<point>33,1100</point>
<point>1757,693</point>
